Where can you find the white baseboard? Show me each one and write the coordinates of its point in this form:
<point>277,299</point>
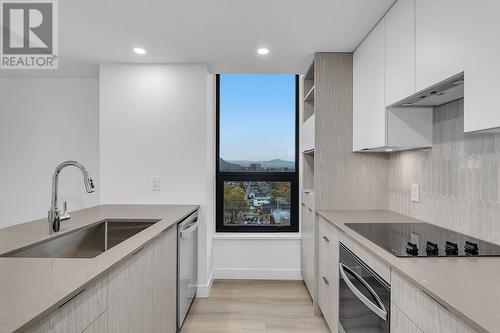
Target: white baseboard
<point>204,290</point>
<point>257,274</point>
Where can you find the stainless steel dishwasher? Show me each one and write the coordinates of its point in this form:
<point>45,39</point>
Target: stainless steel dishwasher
<point>187,265</point>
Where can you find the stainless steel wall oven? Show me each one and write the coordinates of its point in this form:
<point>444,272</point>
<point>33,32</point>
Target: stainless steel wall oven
<point>364,297</point>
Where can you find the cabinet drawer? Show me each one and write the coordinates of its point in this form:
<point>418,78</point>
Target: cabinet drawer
<point>426,313</point>
<point>81,311</point>
<point>328,272</point>
<point>308,199</point>
<point>78,313</point>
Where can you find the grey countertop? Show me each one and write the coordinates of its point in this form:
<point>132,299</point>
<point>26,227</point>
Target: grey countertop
<point>32,287</point>
<point>469,287</point>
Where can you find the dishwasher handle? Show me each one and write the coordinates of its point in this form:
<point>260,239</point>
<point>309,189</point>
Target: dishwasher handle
<point>190,225</point>
<point>379,310</point>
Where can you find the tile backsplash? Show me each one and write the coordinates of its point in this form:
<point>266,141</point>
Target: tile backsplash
<point>459,178</point>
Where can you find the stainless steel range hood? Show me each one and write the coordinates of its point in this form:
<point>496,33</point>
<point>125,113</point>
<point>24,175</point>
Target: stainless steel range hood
<point>444,92</point>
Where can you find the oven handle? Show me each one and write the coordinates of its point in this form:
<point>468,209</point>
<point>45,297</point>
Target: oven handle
<point>379,310</point>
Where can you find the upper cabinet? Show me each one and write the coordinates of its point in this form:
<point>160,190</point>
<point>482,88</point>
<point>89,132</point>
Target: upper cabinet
<point>425,53</point>
<point>400,51</point>
<point>442,32</point>
<point>375,127</point>
<point>482,67</point>
<point>368,91</point>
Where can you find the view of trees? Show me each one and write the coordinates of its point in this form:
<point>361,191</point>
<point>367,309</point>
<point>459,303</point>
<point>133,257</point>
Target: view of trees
<point>234,200</point>
<point>257,202</point>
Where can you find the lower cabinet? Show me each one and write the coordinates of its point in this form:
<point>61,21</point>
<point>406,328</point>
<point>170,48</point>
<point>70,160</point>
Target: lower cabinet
<point>400,323</point>
<point>328,273</point>
<point>165,283</point>
<point>307,248</point>
<point>77,314</point>
<point>428,315</point>
<point>100,325</point>
<point>139,295</point>
<point>142,291</point>
<point>130,306</point>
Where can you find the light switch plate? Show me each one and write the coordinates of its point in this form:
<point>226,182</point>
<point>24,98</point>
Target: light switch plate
<point>415,192</point>
<point>155,183</point>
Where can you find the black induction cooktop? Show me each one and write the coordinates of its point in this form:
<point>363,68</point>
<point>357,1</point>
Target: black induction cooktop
<point>423,240</point>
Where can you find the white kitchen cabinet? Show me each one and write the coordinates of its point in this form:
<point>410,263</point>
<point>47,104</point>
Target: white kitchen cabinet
<point>369,91</point>
<point>443,30</point>
<point>400,51</point>
<point>482,69</point>
<point>165,282</point>
<point>375,127</point>
<point>454,36</point>
<point>130,308</point>
<point>307,257</point>
<point>328,273</point>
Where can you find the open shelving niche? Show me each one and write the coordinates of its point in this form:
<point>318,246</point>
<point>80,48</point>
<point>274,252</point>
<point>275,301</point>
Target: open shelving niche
<point>308,131</point>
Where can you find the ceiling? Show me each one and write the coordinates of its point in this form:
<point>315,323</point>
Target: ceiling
<point>224,34</point>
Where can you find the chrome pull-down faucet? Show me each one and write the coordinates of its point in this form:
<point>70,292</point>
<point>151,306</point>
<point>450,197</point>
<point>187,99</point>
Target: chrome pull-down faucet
<point>54,219</point>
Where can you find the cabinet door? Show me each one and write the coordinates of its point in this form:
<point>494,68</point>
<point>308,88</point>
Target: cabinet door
<point>165,282</point>
<point>328,273</point>
<point>307,248</point>
<point>400,51</point>
<point>369,92</point>
<point>442,36</point>
<point>130,297</point>
<point>482,71</point>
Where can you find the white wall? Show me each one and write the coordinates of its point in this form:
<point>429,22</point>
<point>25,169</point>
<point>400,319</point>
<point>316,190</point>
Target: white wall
<point>42,123</point>
<point>257,257</point>
<point>156,120</point>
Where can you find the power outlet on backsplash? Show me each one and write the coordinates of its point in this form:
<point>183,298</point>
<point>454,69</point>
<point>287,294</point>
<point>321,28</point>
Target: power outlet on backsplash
<point>415,192</point>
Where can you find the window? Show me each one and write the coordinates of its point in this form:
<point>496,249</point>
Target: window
<point>257,153</point>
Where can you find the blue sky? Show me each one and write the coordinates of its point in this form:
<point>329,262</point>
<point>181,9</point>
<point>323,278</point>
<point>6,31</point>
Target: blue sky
<point>257,117</point>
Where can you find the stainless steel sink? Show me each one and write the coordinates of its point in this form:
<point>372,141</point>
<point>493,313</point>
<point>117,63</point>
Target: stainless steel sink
<point>84,243</point>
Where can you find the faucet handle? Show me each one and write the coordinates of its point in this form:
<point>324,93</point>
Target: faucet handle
<point>65,215</point>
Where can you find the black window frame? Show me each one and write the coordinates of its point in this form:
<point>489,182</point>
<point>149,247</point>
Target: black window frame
<point>224,176</point>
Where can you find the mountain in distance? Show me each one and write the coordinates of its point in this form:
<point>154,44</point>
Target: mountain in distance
<point>228,166</point>
<point>276,163</point>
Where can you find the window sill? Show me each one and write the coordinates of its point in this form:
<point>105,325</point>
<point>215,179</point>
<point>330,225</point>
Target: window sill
<point>256,236</point>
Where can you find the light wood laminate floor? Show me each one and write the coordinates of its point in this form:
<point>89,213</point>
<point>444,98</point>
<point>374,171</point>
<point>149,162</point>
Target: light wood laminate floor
<point>250,306</point>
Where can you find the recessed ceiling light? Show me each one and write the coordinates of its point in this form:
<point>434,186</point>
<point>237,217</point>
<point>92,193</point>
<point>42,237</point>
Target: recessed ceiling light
<point>389,150</point>
<point>139,50</point>
<point>263,51</point>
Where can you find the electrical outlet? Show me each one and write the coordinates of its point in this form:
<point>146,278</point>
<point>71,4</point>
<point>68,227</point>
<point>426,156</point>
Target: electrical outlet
<point>155,182</point>
<point>415,192</point>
